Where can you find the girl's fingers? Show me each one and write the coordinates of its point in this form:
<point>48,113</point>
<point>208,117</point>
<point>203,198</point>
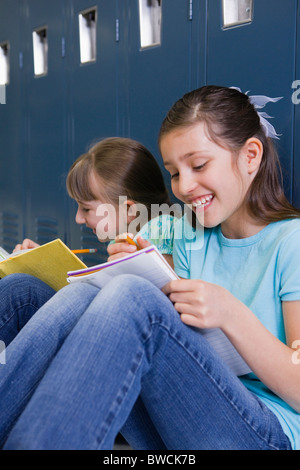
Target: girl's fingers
<point>115,248</point>
<point>142,243</point>
<point>190,320</point>
<point>123,236</point>
<point>182,285</point>
<point>26,244</point>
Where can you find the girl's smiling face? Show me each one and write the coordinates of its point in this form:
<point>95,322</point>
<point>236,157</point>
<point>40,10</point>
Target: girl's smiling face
<point>208,177</point>
<point>87,214</point>
<point>107,220</point>
<point>101,217</point>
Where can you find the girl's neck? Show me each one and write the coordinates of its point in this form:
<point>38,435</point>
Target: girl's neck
<point>242,227</point>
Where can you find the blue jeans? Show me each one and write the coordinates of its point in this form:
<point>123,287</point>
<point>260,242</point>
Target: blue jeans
<point>21,296</point>
<point>91,363</point>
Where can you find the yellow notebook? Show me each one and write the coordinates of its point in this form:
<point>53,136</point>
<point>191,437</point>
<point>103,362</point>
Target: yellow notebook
<point>49,262</point>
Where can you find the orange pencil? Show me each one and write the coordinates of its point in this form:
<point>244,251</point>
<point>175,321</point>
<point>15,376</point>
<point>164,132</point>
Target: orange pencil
<point>132,242</point>
<point>88,250</point>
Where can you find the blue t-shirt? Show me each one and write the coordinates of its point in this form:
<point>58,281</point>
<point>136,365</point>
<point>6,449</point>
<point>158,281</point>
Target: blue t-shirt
<point>261,271</point>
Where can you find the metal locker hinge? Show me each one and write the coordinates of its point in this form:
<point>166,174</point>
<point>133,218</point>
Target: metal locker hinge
<point>190,10</point>
<point>63,47</point>
<point>117,30</point>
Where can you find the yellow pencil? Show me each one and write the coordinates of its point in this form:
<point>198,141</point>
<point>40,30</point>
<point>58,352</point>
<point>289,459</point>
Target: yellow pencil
<point>87,250</point>
<point>132,242</point>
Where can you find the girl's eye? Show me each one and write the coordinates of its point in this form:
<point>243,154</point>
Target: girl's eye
<point>175,175</point>
<point>200,167</point>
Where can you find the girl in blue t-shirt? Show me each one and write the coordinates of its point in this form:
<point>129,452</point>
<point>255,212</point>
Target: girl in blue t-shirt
<point>131,358</point>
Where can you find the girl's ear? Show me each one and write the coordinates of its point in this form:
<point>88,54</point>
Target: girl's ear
<point>253,152</point>
<point>130,210</point>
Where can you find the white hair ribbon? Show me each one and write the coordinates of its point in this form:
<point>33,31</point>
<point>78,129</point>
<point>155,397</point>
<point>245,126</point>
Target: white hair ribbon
<point>259,102</point>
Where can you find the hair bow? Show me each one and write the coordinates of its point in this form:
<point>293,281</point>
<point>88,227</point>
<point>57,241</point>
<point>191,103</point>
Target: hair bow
<point>259,102</point>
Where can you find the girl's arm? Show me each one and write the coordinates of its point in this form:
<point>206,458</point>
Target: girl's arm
<point>207,305</point>
<point>275,363</point>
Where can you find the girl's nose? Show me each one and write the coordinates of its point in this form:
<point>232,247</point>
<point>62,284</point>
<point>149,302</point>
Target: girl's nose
<point>79,219</point>
<point>187,184</point>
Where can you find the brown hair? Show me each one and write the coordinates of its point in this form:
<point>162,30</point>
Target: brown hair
<point>231,120</point>
<point>124,167</point>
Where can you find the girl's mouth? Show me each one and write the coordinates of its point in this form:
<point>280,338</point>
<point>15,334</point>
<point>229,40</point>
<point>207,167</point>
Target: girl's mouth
<point>203,202</point>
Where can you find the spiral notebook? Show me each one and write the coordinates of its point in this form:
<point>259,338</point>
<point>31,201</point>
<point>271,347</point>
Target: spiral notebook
<point>147,263</point>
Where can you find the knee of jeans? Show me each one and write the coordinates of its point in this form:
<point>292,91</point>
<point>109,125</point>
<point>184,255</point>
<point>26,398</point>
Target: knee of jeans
<point>75,293</point>
<point>11,279</point>
<point>20,281</point>
<point>133,300</point>
<point>125,287</point>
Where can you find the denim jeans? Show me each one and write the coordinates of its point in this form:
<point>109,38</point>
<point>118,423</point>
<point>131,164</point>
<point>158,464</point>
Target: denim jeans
<point>91,363</point>
<point>21,296</point>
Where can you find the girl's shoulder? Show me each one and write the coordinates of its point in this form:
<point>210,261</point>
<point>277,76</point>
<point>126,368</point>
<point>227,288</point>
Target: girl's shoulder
<point>286,229</point>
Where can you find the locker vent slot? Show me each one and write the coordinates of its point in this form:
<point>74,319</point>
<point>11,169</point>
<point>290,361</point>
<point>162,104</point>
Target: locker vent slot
<point>237,12</point>
<point>4,63</point>
<point>40,51</point>
<point>88,35</point>
<point>46,229</point>
<point>10,230</point>
<point>150,22</point>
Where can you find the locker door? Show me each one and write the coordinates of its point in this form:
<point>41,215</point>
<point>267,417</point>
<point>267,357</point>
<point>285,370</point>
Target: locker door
<point>153,77</point>
<point>92,72</point>
<point>11,163</point>
<point>296,103</point>
<point>258,56</point>
<point>91,100</point>
<point>43,115</point>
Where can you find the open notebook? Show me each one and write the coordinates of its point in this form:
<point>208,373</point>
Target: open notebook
<point>151,265</point>
<point>147,263</point>
<point>49,263</point>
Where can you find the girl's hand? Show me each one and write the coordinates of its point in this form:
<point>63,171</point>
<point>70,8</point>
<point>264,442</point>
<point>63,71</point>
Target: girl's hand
<point>26,245</point>
<point>201,304</point>
<point>122,248</point>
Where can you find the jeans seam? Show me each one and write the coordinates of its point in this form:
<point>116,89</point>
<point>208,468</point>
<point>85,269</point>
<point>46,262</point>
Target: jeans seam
<point>16,313</point>
<point>121,395</point>
<point>16,413</point>
<point>216,384</point>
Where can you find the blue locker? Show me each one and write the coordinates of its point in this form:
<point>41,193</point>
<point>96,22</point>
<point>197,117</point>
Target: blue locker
<point>260,57</point>
<point>120,86</point>
<point>155,77</point>
<point>12,209</point>
<point>295,98</point>
<point>43,112</point>
<point>91,101</point>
